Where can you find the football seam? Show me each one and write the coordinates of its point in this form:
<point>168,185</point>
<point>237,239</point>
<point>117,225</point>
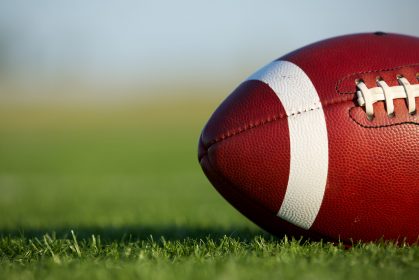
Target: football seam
<point>368,72</point>
<point>271,119</point>
<point>377,126</point>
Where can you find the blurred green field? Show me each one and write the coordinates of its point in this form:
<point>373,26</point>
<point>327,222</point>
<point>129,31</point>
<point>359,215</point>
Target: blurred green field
<point>126,180</point>
<point>107,167</point>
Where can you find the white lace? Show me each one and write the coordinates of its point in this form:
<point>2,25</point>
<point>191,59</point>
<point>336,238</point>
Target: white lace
<point>368,96</point>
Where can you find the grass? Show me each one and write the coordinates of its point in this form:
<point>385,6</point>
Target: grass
<point>116,192</point>
<point>259,257</point>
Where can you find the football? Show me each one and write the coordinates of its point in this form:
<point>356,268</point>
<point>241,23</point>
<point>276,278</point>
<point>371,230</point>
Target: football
<point>324,141</point>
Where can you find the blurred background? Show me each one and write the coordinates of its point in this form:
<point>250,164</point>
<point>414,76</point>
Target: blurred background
<point>102,102</point>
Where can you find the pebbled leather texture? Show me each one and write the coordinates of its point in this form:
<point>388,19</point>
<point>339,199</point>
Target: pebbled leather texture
<point>238,150</point>
<point>346,84</point>
<point>381,118</point>
<point>306,124</point>
<point>372,188</point>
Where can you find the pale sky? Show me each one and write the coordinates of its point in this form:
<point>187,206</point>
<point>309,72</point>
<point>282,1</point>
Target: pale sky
<point>151,42</point>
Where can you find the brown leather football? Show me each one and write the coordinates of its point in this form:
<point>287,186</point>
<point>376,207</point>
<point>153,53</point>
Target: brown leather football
<point>324,141</point>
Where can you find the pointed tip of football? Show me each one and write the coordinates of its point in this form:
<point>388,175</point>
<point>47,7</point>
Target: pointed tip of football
<point>239,140</point>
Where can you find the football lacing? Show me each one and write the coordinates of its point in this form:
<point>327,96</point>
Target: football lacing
<point>368,96</point>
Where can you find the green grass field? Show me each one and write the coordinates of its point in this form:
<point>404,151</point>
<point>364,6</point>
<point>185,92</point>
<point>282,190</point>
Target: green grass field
<point>116,192</point>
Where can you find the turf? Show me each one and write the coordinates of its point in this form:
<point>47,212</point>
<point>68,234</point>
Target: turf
<point>115,192</point>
